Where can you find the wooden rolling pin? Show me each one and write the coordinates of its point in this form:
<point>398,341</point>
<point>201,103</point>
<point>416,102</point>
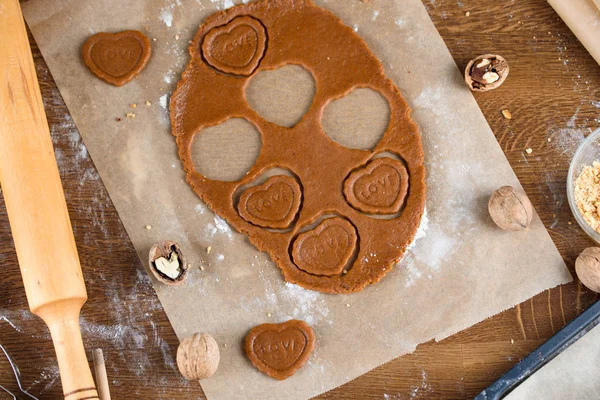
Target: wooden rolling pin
<point>36,206</point>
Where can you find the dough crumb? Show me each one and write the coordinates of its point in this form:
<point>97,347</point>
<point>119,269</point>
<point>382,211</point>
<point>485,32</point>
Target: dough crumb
<point>468,13</point>
<point>208,249</point>
<point>347,304</point>
<point>148,227</point>
<point>587,195</point>
<point>132,105</point>
<point>130,115</point>
<point>176,37</point>
<point>506,114</point>
<point>529,150</point>
<point>148,103</point>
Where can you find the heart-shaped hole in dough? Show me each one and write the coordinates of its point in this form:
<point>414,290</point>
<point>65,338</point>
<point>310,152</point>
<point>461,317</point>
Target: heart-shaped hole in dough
<point>357,120</point>
<point>234,148</point>
<point>282,96</point>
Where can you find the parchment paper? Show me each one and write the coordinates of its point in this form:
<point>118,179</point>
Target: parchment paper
<point>573,375</point>
<point>462,269</point>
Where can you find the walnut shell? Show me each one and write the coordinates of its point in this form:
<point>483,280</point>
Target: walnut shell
<point>164,249</point>
<point>587,267</point>
<point>510,209</point>
<point>474,76</point>
<point>198,356</point>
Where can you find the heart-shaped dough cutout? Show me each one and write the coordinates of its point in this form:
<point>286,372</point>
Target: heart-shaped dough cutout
<point>274,204</point>
<point>116,57</point>
<point>237,47</point>
<point>279,350</point>
<point>326,249</point>
<point>378,188</point>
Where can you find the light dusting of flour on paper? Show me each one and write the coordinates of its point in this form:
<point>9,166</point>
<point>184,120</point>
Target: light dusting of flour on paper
<point>163,101</point>
<point>422,231</point>
<point>166,16</point>
<point>218,226</point>
<point>200,208</point>
<point>309,305</point>
<point>224,4</point>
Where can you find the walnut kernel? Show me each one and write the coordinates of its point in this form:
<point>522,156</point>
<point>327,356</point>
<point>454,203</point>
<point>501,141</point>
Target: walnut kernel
<point>486,72</point>
<point>167,263</point>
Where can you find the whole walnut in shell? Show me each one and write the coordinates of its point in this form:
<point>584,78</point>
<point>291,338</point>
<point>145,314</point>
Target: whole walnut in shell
<point>198,356</point>
<point>510,209</point>
<point>587,267</point>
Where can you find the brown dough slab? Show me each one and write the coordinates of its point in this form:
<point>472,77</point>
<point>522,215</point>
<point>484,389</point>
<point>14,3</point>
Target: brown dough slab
<point>326,249</point>
<point>279,350</point>
<point>274,204</point>
<point>118,57</point>
<point>298,32</point>
<point>378,188</point>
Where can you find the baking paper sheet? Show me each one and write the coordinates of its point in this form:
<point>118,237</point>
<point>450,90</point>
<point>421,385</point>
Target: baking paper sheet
<point>573,375</point>
<point>460,271</point>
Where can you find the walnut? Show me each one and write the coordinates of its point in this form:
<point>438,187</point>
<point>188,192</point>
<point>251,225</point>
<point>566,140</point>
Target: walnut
<point>587,267</point>
<point>486,72</point>
<point>167,262</point>
<point>198,356</point>
<point>510,209</point>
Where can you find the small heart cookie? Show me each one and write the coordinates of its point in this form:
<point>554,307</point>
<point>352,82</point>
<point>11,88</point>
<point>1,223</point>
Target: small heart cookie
<point>378,188</point>
<point>237,47</point>
<point>279,350</point>
<point>326,249</point>
<point>118,57</point>
<point>274,204</point>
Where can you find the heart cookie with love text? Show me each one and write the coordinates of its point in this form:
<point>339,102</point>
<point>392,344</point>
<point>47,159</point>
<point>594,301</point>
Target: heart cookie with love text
<point>326,249</point>
<point>235,48</point>
<point>274,204</point>
<point>118,57</point>
<point>279,350</point>
<point>378,188</point>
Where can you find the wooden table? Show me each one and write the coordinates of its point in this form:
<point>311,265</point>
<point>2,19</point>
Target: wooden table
<point>553,93</point>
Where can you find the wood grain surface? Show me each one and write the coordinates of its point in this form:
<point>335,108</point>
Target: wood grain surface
<point>553,94</point>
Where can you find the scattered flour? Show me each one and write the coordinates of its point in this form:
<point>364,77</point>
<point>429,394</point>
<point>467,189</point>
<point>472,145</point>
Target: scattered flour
<point>217,226</point>
<point>375,15</point>
<point>224,4</point>
<point>310,305</point>
<point>223,227</point>
<point>200,208</point>
<point>422,231</point>
<point>399,22</point>
<point>424,387</point>
<point>163,101</point>
<point>166,16</point>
